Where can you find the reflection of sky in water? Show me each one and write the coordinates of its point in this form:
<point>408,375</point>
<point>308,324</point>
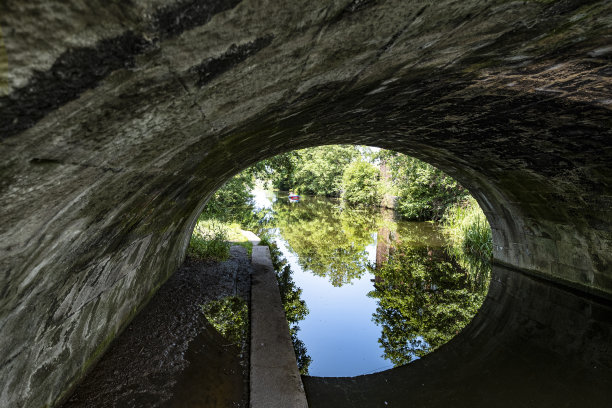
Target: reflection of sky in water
<point>338,332</point>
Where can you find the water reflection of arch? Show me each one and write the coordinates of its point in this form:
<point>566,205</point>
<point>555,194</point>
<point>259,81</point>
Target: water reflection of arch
<point>508,355</point>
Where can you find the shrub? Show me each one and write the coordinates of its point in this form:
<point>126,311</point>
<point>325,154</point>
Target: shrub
<point>209,242</point>
<point>467,227</point>
<point>233,201</point>
<point>424,192</point>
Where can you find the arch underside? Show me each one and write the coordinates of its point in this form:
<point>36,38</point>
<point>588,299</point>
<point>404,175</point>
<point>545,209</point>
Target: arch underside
<point>113,139</point>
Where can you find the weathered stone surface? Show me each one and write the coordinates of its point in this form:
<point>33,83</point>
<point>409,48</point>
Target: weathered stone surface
<point>275,379</point>
<point>119,119</point>
<point>170,355</point>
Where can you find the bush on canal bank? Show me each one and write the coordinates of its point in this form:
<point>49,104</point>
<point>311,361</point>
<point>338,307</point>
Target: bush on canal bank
<point>209,241</point>
<point>361,185</point>
<point>468,229</point>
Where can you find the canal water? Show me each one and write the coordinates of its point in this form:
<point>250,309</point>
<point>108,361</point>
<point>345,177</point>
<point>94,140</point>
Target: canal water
<point>380,292</point>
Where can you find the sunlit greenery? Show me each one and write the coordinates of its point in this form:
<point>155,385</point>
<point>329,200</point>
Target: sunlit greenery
<point>209,241</point>
<point>230,317</point>
<point>233,201</point>
<point>314,171</point>
<point>424,299</point>
<point>469,234</point>
<point>432,282</point>
<point>467,228</point>
<point>228,212</point>
<point>423,191</point>
<point>360,184</point>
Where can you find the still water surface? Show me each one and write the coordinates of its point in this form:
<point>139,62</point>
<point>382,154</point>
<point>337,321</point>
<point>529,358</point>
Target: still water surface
<point>364,319</point>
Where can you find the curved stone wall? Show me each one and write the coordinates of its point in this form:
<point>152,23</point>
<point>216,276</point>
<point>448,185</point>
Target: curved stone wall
<point>119,119</point>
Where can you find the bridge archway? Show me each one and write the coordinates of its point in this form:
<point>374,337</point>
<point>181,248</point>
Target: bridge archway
<point>112,135</point>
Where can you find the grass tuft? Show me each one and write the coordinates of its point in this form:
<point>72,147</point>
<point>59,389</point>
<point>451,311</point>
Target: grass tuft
<point>467,227</point>
<point>209,241</point>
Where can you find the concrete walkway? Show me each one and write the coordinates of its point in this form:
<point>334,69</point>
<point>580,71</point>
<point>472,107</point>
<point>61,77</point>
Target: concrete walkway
<point>275,379</point>
<point>254,239</point>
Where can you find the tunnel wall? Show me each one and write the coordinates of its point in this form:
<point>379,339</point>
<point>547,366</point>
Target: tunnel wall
<point>118,120</point>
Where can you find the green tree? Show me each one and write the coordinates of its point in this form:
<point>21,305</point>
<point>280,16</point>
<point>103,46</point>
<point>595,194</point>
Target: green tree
<point>314,171</point>
<point>233,202</point>
<point>278,170</point>
<point>424,192</point>
<point>319,169</point>
<point>360,184</point>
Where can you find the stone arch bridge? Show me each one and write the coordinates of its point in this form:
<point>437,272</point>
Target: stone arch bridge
<point>119,119</point>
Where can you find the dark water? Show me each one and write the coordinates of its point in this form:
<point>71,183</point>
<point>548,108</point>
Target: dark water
<point>186,348</point>
<point>380,292</point>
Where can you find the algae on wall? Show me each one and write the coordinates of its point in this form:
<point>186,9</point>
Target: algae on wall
<point>3,67</point>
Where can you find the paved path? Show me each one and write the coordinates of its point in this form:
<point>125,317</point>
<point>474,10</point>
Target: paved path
<point>275,379</point>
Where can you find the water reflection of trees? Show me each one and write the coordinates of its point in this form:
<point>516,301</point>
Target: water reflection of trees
<point>330,241</point>
<point>295,308</point>
<point>426,292</point>
<point>424,299</point>
<point>229,316</point>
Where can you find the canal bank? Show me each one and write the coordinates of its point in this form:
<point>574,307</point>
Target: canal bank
<point>171,355</point>
<point>532,344</point>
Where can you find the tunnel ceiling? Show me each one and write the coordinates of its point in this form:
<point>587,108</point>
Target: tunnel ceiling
<point>119,119</point>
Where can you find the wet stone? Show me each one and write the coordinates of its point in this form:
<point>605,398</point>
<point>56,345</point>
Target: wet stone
<point>170,355</point>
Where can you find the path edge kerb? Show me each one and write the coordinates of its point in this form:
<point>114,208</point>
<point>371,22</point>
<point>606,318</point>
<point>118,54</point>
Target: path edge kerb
<point>275,381</point>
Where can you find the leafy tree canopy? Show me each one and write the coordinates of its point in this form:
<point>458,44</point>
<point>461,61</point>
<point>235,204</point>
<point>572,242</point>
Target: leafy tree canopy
<point>424,192</point>
<point>360,184</point>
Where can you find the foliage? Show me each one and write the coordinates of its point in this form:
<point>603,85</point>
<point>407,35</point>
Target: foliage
<point>248,245</point>
<point>330,241</point>
<point>469,234</point>
<point>278,170</point>
<point>468,228</point>
<point>233,201</point>
<point>360,184</point>
<point>314,171</point>
<point>320,169</point>
<point>424,299</point>
<point>295,307</point>
<point>233,205</point>
<point>230,317</point>
<point>209,241</point>
<point>423,191</point>
<point>236,237</point>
